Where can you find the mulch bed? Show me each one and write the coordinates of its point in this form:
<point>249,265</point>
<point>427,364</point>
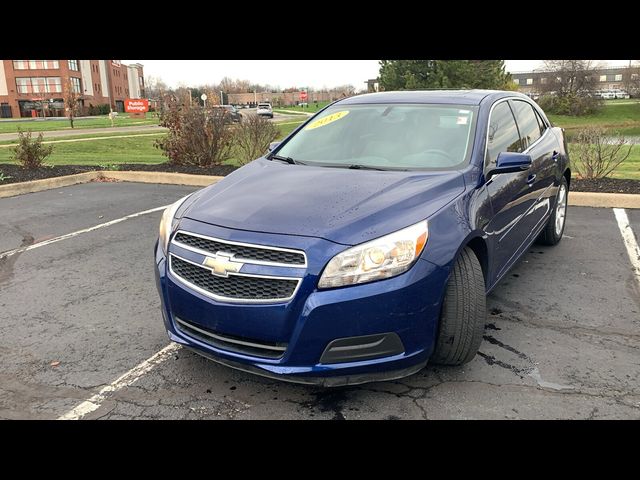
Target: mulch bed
<point>606,185</point>
<point>19,174</point>
<point>14,173</point>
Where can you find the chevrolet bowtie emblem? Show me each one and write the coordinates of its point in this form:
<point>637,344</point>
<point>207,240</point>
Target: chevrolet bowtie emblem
<point>221,265</point>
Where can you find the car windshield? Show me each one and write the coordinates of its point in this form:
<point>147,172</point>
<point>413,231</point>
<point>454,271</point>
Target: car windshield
<point>262,105</point>
<point>386,136</point>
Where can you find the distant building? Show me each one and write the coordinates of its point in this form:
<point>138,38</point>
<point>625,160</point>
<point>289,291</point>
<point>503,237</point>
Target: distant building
<point>373,85</point>
<point>610,78</point>
<point>35,87</point>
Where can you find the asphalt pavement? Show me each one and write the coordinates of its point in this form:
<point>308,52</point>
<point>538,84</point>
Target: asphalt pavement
<point>81,321</point>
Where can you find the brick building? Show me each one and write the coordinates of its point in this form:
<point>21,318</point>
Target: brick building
<point>35,87</point>
<point>282,99</point>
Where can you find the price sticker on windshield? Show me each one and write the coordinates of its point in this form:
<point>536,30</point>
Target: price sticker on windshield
<point>327,120</point>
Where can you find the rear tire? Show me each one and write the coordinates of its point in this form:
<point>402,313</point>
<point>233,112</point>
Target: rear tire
<point>464,313</point>
<point>553,230</point>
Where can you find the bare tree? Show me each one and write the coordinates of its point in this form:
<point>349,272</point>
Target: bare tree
<point>598,155</point>
<point>253,137</point>
<point>570,77</point>
<point>631,79</point>
<point>71,99</point>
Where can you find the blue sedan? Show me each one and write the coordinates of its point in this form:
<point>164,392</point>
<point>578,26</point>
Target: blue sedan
<point>364,244</point>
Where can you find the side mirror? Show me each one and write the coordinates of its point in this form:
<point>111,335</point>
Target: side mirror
<point>273,146</point>
<point>510,162</point>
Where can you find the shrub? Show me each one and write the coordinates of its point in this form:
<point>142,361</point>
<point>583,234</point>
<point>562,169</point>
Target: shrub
<point>570,104</point>
<point>197,135</point>
<point>253,137</point>
<point>31,153</point>
<point>598,154</point>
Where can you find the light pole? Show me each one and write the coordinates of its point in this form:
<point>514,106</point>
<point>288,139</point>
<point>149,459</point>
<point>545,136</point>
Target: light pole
<point>221,98</point>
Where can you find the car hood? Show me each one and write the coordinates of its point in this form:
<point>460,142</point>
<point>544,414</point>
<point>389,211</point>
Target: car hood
<point>341,205</point>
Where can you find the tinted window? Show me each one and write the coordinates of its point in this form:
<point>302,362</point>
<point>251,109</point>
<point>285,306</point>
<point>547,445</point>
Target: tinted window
<point>541,123</point>
<point>527,122</point>
<point>503,133</point>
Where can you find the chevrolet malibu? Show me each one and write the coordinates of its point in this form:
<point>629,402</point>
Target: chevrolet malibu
<point>364,244</point>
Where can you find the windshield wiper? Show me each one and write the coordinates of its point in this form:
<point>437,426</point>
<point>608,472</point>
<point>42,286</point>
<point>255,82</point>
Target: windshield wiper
<point>357,166</point>
<point>288,160</point>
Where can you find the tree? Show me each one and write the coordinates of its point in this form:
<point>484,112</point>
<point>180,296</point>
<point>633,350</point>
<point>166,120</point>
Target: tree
<point>155,87</point>
<point>71,99</point>
<point>568,86</point>
<point>253,136</point>
<point>420,74</point>
<point>631,79</point>
<point>569,77</point>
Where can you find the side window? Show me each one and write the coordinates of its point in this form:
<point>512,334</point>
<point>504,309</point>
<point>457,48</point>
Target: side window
<point>503,133</point>
<point>527,122</point>
<point>543,126</point>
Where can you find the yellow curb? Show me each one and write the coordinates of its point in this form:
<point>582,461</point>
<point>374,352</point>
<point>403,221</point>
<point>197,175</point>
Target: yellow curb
<point>604,200</point>
<point>14,189</point>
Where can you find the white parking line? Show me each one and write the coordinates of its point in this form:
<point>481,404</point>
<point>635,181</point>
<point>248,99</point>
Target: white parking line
<point>629,240</point>
<point>71,235</point>
<point>125,380</point>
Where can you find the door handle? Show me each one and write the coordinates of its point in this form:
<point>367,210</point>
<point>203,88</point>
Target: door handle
<point>555,156</point>
<point>531,179</point>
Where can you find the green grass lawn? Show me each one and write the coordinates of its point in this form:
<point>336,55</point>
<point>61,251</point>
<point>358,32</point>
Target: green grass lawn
<point>111,151</point>
<point>312,108</point>
<point>86,135</point>
<point>616,116</point>
<point>122,120</point>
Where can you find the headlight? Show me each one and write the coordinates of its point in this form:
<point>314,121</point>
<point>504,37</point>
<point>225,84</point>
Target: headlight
<point>168,223</point>
<point>384,257</point>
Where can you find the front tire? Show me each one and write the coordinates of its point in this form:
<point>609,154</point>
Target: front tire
<point>554,228</point>
<point>464,313</point>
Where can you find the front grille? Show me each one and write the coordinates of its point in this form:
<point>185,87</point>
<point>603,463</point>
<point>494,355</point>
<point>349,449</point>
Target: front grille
<point>234,287</point>
<point>241,252</point>
<point>231,343</point>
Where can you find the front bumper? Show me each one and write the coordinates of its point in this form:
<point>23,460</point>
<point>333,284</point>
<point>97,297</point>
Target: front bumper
<point>406,307</point>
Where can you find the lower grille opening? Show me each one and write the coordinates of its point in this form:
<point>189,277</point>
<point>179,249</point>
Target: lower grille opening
<point>231,343</point>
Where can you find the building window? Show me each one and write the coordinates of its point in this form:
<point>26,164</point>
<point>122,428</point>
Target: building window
<point>73,65</point>
<point>516,81</point>
<point>618,78</point>
<point>529,81</point>
<point>603,78</point>
<point>36,64</point>
<point>75,83</point>
<point>543,80</point>
<point>38,84</point>
<point>126,92</point>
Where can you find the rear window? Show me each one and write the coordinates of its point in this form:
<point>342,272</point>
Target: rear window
<point>386,136</point>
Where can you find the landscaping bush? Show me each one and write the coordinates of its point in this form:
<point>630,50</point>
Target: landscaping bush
<point>102,109</point>
<point>597,155</point>
<point>253,137</point>
<point>197,135</point>
<point>31,153</point>
<point>570,104</point>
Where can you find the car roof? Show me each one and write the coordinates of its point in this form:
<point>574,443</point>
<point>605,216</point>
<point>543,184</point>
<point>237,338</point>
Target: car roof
<point>458,97</point>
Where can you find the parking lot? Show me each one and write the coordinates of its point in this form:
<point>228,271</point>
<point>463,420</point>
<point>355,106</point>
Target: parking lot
<point>82,334</point>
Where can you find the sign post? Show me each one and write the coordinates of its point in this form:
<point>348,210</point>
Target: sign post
<point>303,96</point>
<point>203,97</point>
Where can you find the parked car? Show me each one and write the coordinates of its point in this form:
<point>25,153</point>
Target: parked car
<point>608,95</point>
<point>231,113</point>
<point>264,109</point>
<point>363,245</point>
<point>621,94</point>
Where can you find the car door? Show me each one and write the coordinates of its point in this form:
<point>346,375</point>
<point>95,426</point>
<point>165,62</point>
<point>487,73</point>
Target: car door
<point>542,146</point>
<point>508,192</point>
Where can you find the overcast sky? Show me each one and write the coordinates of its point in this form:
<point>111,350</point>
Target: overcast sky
<point>284,73</point>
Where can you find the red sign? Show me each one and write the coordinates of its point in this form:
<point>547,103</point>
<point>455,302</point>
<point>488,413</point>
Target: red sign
<point>132,105</point>
<point>303,95</point>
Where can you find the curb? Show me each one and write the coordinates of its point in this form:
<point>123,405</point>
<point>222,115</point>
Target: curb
<point>578,199</point>
<point>604,200</point>
<point>14,189</point>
